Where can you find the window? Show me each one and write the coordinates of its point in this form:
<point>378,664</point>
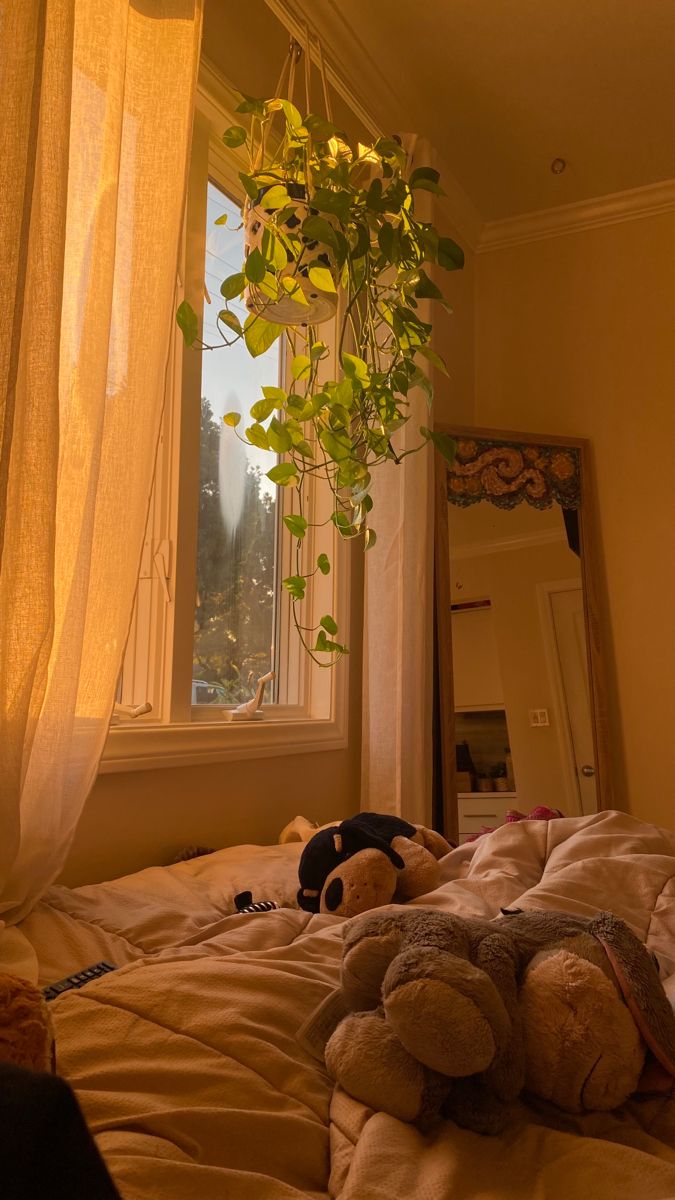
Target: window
<point>210,615</point>
<point>237,580</point>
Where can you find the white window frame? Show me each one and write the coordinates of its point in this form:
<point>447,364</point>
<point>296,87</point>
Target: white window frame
<point>312,709</point>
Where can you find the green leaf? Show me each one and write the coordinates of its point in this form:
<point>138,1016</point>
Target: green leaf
<point>426,289</point>
<point>272,250</point>
<point>232,418</point>
<point>337,446</point>
<point>388,242</point>
<point>291,114</point>
<point>296,525</point>
<point>257,436</point>
<point>249,104</point>
<point>188,324</point>
<point>325,645</point>
<point>249,185</point>
<point>254,267</point>
<point>322,279</point>
<point>323,564</point>
<point>355,368</point>
<point>434,358</point>
<point>275,197</point>
<point>450,255</point>
<point>233,286</point>
<point>318,229</point>
<point>283,474</point>
<point>370,538</point>
<point>318,350</point>
<point>339,416</point>
<point>234,136</point>
<point>301,367</point>
<point>337,203</point>
<point>221,220</point>
<point>275,393</point>
<point>328,624</point>
<point>262,409</point>
<point>291,286</point>
<point>426,178</point>
<point>260,334</point>
<point>446,445</point>
<point>304,449</point>
<point>344,393</point>
<point>279,437</point>
<point>295,584</point>
<point>320,129</point>
<point>230,319</point>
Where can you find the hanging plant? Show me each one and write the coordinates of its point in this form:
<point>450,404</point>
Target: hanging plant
<point>331,229</point>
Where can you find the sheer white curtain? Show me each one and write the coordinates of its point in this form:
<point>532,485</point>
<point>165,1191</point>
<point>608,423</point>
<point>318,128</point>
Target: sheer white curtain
<point>94,145</point>
<point>396,757</point>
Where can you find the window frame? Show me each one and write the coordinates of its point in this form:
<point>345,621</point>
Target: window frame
<point>311,712</point>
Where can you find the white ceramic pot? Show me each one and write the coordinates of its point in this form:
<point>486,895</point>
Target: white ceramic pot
<point>321,306</point>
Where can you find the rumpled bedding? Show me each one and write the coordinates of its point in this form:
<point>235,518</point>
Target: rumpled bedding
<point>189,1071</point>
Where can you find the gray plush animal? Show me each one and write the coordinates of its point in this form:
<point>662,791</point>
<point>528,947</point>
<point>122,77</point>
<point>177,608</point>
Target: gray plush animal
<point>458,1015</point>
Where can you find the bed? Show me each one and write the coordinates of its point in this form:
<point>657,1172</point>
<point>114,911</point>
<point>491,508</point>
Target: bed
<point>186,1061</point>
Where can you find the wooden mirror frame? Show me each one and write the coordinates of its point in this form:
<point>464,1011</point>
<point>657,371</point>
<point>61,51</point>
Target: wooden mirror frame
<point>443,625</point>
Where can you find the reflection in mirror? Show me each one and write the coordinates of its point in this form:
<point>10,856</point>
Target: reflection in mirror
<point>523,710</point>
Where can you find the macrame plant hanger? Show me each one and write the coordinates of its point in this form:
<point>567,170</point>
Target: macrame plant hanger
<point>318,306</point>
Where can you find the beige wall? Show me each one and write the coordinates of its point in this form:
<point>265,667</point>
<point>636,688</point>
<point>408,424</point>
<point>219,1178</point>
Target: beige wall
<point>575,335</point>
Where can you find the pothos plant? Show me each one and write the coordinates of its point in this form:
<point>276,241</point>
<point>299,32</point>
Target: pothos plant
<point>331,230</point>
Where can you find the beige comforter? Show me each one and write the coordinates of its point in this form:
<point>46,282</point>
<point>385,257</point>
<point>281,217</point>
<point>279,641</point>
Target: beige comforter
<point>186,1060</point>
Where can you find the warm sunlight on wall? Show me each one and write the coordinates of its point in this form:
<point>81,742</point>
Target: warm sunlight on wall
<point>574,335</point>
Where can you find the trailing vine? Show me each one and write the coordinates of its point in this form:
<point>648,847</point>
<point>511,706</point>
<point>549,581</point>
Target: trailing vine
<point>326,221</point>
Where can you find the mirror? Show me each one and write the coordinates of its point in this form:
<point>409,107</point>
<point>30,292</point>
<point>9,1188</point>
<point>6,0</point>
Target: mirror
<point>520,694</point>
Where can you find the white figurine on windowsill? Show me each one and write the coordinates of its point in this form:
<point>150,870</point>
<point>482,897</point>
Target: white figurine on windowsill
<point>250,711</point>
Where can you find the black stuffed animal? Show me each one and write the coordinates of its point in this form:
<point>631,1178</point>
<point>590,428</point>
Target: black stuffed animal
<point>367,861</point>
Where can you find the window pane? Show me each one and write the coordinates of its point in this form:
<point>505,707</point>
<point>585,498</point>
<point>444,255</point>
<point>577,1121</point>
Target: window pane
<point>236,568</point>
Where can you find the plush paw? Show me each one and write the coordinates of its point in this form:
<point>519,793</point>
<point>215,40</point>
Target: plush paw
<point>367,1060</point>
<point>447,1013</point>
<point>370,944</point>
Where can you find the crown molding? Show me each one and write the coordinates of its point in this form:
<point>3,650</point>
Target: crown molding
<point>523,541</point>
<point>649,201</point>
<point>342,46</point>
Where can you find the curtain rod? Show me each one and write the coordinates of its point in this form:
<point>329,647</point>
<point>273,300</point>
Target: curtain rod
<point>286,14</point>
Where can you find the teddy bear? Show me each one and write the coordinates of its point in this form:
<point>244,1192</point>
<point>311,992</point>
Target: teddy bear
<point>367,861</point>
<point>26,1037</point>
<point>457,1015</point>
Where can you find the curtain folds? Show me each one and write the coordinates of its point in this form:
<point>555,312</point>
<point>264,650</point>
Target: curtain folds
<point>94,147</point>
<point>396,762</point>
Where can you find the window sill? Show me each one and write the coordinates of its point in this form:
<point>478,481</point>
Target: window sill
<point>149,747</point>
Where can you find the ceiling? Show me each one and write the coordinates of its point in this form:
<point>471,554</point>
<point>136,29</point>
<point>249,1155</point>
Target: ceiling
<point>500,87</point>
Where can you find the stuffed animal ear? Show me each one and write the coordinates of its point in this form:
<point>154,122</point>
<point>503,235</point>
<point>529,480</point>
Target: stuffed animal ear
<point>640,985</point>
<point>356,836</point>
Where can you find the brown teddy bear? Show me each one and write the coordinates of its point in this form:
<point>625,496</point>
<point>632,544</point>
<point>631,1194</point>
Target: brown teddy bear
<point>458,1015</point>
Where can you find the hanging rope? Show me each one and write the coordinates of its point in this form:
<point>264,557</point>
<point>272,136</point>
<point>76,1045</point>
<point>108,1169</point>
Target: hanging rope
<point>324,82</point>
<point>295,52</point>
<point>308,69</point>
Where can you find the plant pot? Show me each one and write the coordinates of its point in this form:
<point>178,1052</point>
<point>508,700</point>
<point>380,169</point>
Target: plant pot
<point>321,306</point>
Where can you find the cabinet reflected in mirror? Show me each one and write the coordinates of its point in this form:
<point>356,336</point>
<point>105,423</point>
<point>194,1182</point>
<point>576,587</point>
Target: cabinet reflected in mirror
<point>520,692</point>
